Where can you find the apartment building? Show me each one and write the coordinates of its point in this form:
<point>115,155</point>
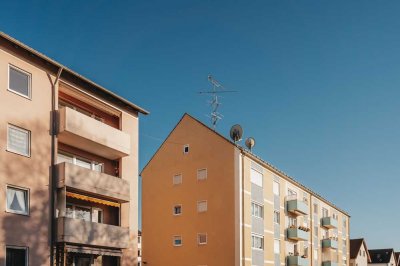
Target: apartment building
<point>208,201</point>
<point>382,257</point>
<point>359,255</point>
<point>69,164</point>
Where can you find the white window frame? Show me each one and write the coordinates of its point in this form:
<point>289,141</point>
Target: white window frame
<point>29,140</point>
<point>257,204</point>
<point>201,201</point>
<point>77,157</point>
<point>262,241</point>
<point>85,207</point>
<point>184,149</point>
<point>29,96</point>
<point>198,238</point>
<point>27,200</point>
<point>278,186</point>
<point>198,171</point>
<point>173,179</point>
<point>17,247</point>
<point>262,177</point>
<point>173,210</point>
<point>173,240</point>
<point>278,217</point>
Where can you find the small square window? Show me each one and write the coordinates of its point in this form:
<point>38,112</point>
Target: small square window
<point>177,179</point>
<point>19,140</point>
<point>186,149</point>
<point>16,256</point>
<point>202,174</point>
<point>177,209</point>
<point>202,206</point>
<point>17,200</point>
<point>19,82</point>
<point>202,239</point>
<point>177,241</point>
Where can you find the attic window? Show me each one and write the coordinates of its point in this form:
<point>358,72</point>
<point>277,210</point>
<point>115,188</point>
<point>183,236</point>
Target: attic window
<point>186,149</point>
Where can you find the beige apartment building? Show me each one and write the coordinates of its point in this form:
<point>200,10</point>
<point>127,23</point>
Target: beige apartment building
<point>68,165</point>
<point>208,202</point>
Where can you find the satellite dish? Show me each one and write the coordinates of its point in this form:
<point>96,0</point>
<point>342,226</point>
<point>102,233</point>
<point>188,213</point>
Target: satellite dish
<point>236,133</point>
<point>250,142</point>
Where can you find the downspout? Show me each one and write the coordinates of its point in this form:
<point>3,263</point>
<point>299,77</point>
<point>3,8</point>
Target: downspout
<point>53,193</point>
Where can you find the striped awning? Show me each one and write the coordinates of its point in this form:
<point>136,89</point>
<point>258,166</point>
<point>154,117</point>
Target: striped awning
<point>92,199</point>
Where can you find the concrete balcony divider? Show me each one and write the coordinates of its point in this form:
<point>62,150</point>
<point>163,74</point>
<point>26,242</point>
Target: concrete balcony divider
<point>76,231</point>
<point>329,222</point>
<point>297,261</point>
<point>92,182</point>
<point>329,243</point>
<point>297,234</point>
<point>297,207</point>
<point>86,133</point>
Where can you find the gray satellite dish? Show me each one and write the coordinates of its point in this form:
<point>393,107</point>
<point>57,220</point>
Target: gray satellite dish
<point>250,142</point>
<point>236,133</point>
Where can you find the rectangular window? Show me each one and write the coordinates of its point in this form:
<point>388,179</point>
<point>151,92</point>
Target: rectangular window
<point>256,177</point>
<point>315,206</point>
<point>177,241</point>
<point>19,82</point>
<point>186,149</point>
<point>202,174</point>
<point>84,163</point>
<point>177,210</point>
<point>97,215</point>
<point>257,242</point>
<point>202,206</point>
<point>277,217</point>
<point>16,256</point>
<point>177,179</point>
<point>17,200</point>
<point>202,239</point>
<point>325,212</point>
<point>257,210</point>
<point>276,188</point>
<point>277,246</point>
<point>19,140</point>
<point>79,161</point>
<point>292,222</point>
<point>82,213</point>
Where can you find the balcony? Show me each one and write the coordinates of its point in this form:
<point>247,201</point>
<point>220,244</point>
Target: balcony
<point>329,263</point>
<point>86,133</point>
<point>297,234</point>
<point>330,243</point>
<point>329,222</point>
<point>297,261</point>
<point>296,206</point>
<point>76,231</point>
<point>92,182</point>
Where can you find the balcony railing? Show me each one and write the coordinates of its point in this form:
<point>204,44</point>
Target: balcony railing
<point>330,243</point>
<point>329,222</point>
<point>296,260</point>
<point>296,206</point>
<point>86,133</point>
<point>298,233</point>
<point>92,182</point>
<point>76,231</point>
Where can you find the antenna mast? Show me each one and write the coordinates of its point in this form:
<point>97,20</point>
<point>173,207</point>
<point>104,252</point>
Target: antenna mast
<point>217,88</point>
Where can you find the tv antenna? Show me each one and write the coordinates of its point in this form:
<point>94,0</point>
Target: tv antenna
<point>216,89</point>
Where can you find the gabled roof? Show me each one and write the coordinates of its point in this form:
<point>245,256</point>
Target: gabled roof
<point>355,246</point>
<point>381,255</point>
<point>249,154</point>
<point>106,94</point>
<point>397,257</point>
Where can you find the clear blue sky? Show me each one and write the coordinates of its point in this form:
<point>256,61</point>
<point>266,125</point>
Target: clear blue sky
<point>318,82</point>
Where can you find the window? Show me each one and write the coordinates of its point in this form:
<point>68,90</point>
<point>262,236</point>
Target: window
<point>291,192</point>
<point>277,246</point>
<point>315,206</point>
<point>79,161</point>
<point>276,188</point>
<point>177,179</point>
<point>202,174</point>
<point>325,212</point>
<point>17,200</point>
<point>18,140</point>
<point>292,221</point>
<point>97,215</point>
<point>186,149</point>
<point>257,242</point>
<point>84,213</point>
<point>363,253</point>
<point>177,209</point>
<point>16,256</point>
<point>177,241</point>
<point>19,82</point>
<point>202,206</point>
<point>257,210</point>
<point>202,239</point>
<point>256,177</point>
<point>277,217</point>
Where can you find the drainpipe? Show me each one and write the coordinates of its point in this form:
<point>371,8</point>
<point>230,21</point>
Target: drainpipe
<point>53,193</point>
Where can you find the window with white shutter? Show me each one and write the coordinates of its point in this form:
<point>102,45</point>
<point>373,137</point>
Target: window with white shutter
<point>18,140</point>
<point>256,177</point>
<point>202,174</point>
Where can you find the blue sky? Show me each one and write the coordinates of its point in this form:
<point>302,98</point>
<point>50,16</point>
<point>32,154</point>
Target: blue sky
<point>318,82</point>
